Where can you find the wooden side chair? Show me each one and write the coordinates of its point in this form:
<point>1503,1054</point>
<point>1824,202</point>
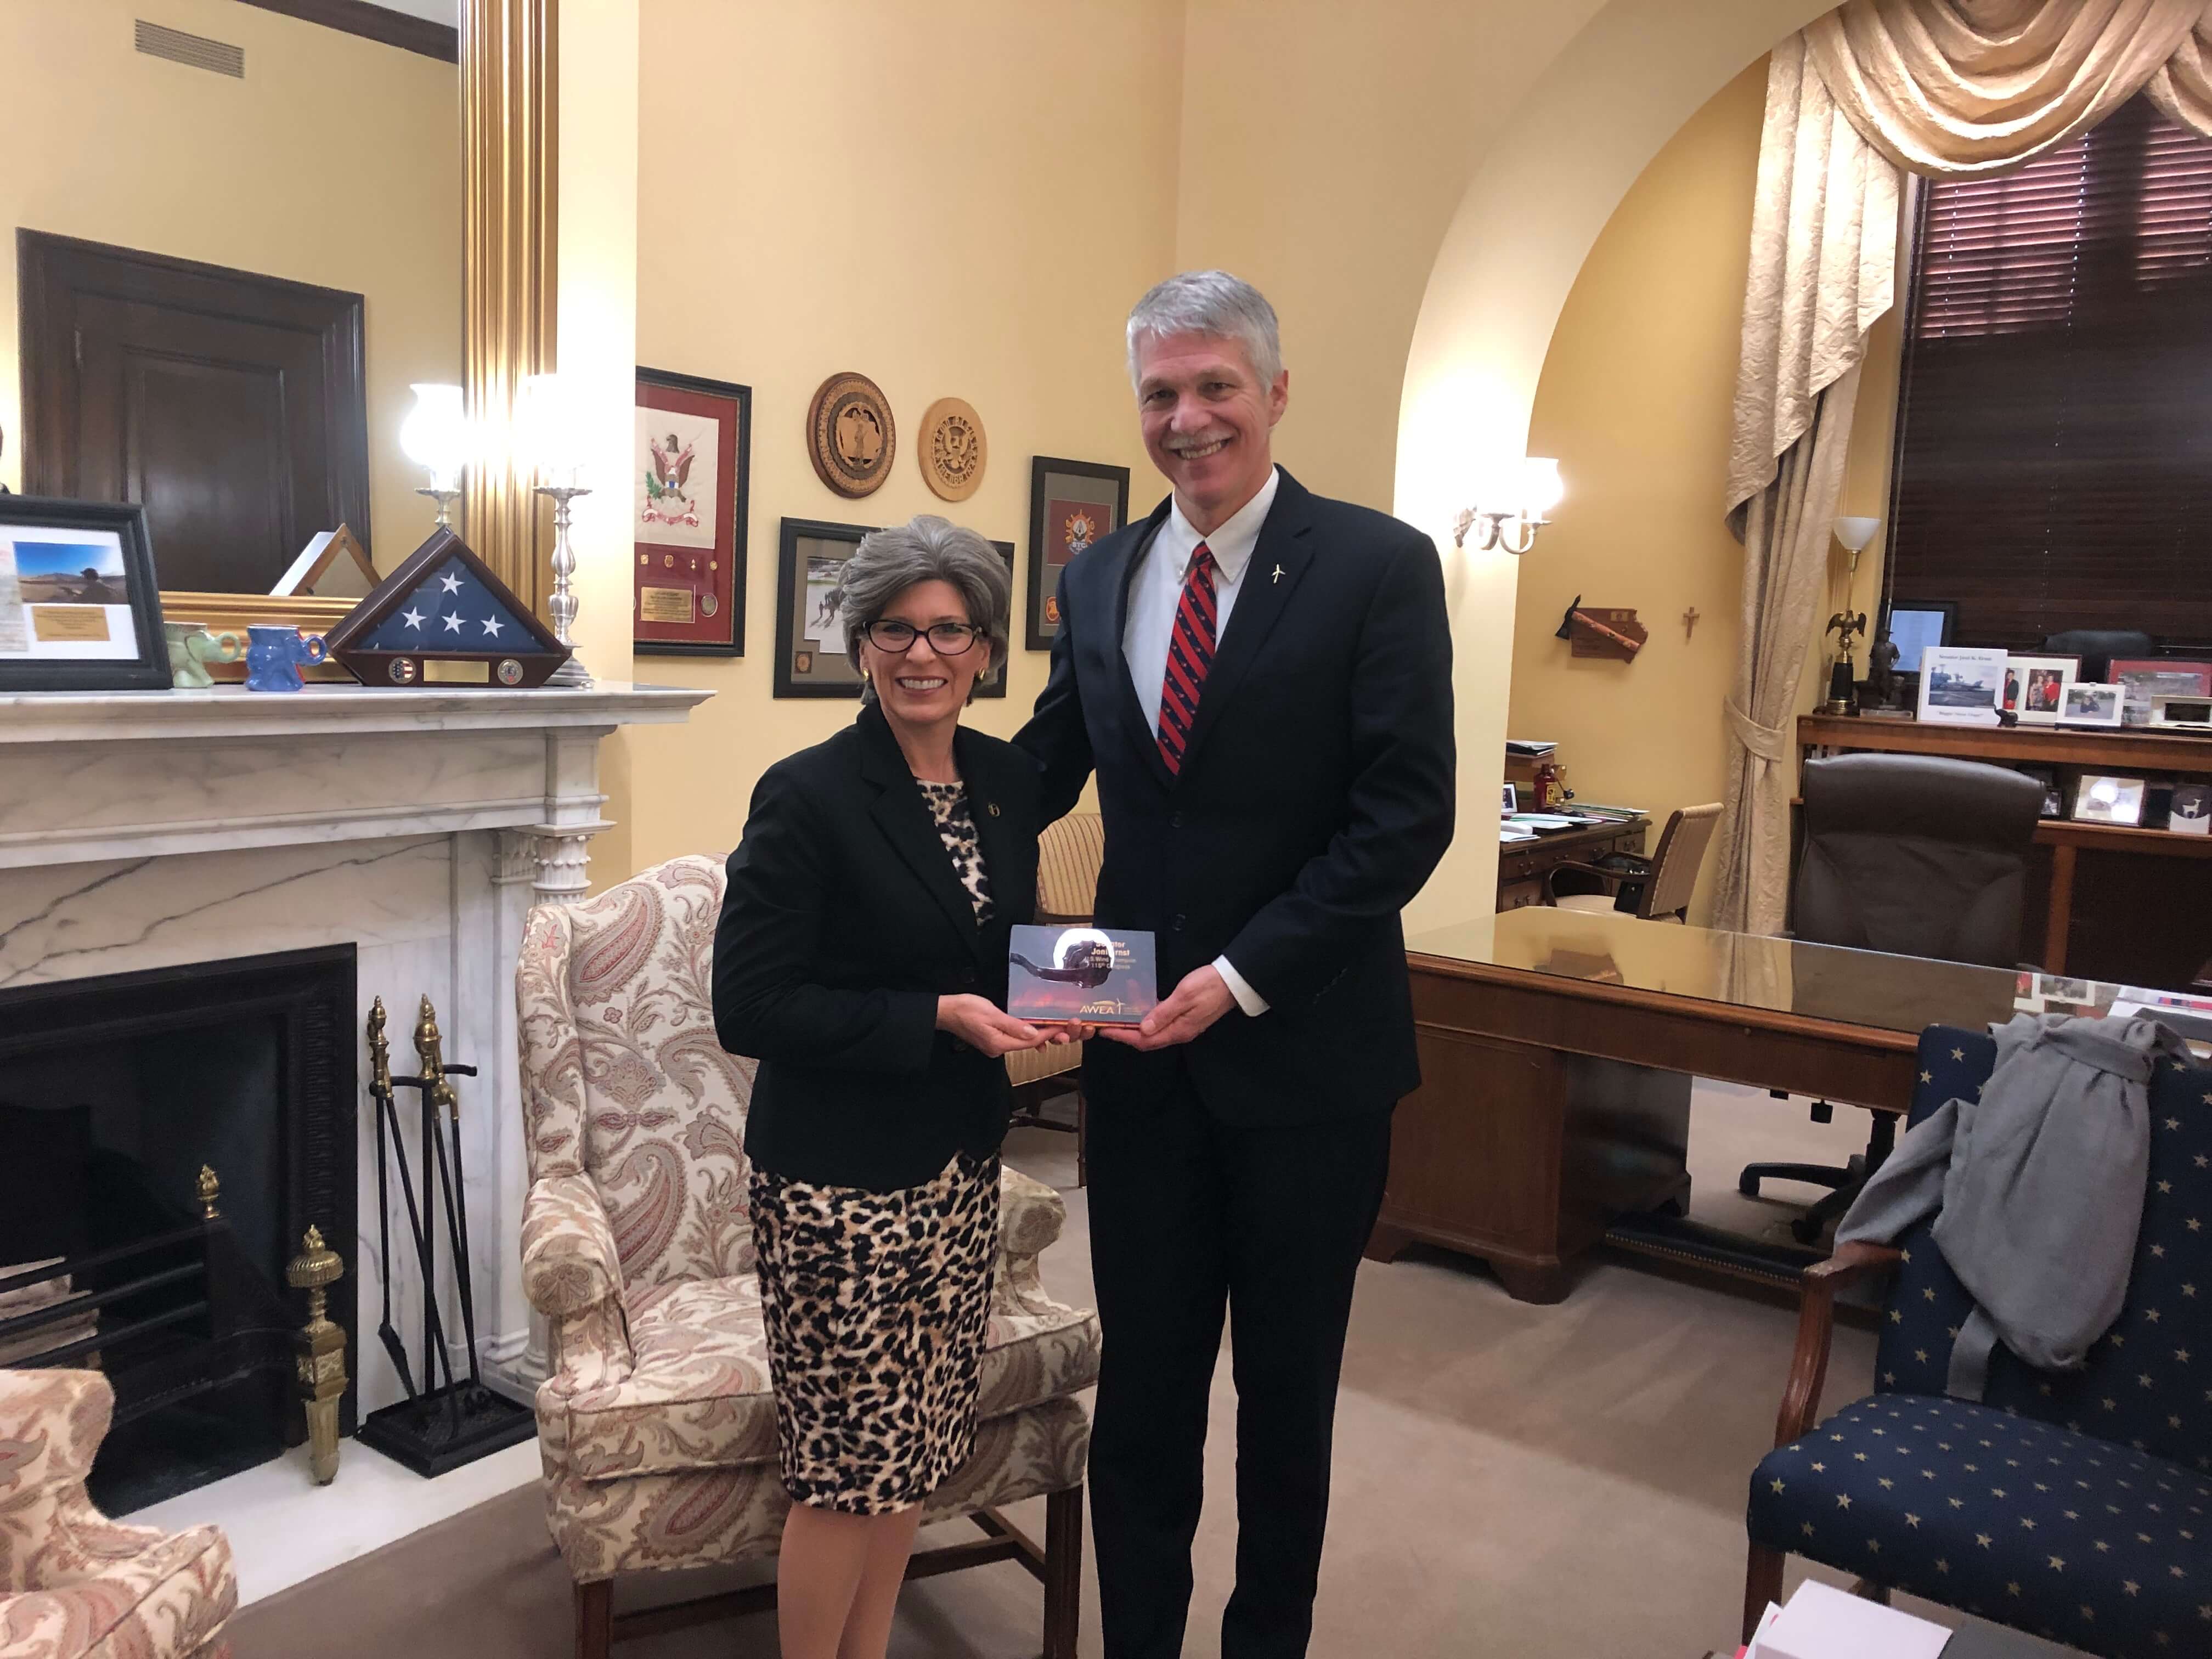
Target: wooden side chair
<point>2076,1506</point>
<point>1068,857</point>
<point>1665,880</point>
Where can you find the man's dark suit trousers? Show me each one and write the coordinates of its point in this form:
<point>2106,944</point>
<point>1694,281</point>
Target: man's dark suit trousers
<point>1189,1219</point>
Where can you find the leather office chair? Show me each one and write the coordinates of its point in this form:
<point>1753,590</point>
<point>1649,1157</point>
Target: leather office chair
<point>1912,855</point>
<point>1661,884</point>
<point>2096,646</point>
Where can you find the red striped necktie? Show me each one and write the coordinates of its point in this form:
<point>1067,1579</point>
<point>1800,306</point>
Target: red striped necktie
<point>1190,654</point>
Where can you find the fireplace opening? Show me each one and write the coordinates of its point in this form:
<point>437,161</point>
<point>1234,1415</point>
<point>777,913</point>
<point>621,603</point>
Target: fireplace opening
<point>118,1253</point>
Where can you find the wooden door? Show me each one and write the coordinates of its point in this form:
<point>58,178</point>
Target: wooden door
<point>229,404</point>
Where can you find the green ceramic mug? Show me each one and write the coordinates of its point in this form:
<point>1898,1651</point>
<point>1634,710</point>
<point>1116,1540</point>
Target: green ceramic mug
<point>191,647</point>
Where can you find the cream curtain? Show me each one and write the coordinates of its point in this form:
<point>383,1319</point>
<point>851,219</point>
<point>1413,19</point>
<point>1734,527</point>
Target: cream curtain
<point>1950,86</point>
<point>1932,86</point>
<point>1823,267</point>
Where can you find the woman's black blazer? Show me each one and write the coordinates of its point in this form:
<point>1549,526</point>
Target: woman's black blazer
<point>843,923</point>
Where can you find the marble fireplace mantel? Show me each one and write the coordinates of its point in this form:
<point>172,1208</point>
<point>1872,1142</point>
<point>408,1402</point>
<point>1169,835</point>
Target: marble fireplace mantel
<point>155,828</point>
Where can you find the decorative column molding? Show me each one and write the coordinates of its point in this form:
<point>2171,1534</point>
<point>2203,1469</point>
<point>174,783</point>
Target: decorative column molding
<point>510,81</point>
<point>563,856</point>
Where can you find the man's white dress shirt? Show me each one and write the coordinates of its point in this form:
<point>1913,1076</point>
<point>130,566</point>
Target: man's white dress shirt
<point>1155,593</point>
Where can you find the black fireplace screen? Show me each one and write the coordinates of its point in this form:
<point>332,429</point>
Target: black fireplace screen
<point>115,1095</point>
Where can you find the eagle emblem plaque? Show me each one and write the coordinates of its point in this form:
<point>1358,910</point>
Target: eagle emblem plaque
<point>849,434</point>
<point>443,619</point>
<point>952,448</point>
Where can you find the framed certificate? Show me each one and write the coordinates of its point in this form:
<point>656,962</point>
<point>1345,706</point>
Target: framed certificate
<point>688,482</point>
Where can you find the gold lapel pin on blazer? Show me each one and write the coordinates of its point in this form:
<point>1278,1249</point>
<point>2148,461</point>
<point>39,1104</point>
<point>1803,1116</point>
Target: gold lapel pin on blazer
<point>993,808</point>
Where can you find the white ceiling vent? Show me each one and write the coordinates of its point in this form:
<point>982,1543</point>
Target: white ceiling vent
<point>195,50</point>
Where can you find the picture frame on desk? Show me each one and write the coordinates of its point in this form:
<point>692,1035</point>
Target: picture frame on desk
<point>2035,687</point>
<point>1962,685</point>
<point>2190,812</point>
<point>1915,624</point>
<point>2101,797</point>
<point>2145,678</point>
<point>2091,703</point>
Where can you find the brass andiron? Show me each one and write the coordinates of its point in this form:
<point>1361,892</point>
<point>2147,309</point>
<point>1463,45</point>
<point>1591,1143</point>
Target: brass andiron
<point>209,1190</point>
<point>319,1359</point>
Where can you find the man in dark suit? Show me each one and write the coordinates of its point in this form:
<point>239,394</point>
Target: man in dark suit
<point>1262,679</point>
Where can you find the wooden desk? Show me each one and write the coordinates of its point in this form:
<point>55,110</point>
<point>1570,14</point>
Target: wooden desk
<point>2138,921</point>
<point>1556,1052</point>
<point>1521,866</point>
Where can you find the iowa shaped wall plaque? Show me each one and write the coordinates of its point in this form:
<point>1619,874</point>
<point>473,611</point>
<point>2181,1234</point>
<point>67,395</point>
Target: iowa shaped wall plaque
<point>443,619</point>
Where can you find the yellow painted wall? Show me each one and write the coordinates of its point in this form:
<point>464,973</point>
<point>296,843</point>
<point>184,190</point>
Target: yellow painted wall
<point>335,161</point>
<point>959,203</point>
<point>1324,148</point>
<point>1635,400</point>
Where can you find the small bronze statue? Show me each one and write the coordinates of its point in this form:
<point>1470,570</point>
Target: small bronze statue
<point>1882,669</point>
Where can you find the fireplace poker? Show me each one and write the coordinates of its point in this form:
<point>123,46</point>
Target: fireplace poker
<point>379,1091</point>
<point>444,1107</point>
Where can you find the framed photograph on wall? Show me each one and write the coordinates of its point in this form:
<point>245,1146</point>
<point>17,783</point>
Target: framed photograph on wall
<point>2035,687</point>
<point>80,610</point>
<point>688,481</point>
<point>2141,678</point>
<point>1072,504</point>
<point>1961,684</point>
<point>2089,703</point>
<point>810,656</point>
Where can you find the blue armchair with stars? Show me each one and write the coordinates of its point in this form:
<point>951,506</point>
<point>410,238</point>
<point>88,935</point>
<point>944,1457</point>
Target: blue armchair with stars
<point>2074,1505</point>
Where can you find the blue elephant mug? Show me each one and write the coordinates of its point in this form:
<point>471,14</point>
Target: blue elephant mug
<point>274,655</point>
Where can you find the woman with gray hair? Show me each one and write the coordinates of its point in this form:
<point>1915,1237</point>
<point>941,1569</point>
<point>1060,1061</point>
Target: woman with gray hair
<point>861,958</point>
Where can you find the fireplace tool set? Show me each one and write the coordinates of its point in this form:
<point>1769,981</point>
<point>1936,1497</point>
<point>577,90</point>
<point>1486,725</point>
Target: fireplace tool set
<point>439,1425</point>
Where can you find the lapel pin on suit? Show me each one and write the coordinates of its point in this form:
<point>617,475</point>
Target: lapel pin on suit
<point>991,807</point>
<point>1279,574</point>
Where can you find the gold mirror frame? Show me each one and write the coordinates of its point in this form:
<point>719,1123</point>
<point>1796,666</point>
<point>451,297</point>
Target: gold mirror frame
<point>510,87</point>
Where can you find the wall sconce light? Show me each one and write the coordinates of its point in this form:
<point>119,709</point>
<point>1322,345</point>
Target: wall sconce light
<point>551,441</point>
<point>435,435</point>
<point>1535,488</point>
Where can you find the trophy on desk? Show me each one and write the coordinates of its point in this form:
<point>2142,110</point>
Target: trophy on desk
<point>1847,626</point>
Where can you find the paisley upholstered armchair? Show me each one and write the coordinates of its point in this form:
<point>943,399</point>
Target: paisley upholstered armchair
<point>73,1583</point>
<point>658,1426</point>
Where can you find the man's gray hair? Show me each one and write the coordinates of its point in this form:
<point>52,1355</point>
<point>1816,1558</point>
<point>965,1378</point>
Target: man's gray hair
<point>926,547</point>
<point>1210,302</point>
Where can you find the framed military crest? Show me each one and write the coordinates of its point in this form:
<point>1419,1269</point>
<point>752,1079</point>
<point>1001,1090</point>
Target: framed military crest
<point>689,476</point>
<point>812,655</point>
<point>443,619</point>
<point>1072,504</point>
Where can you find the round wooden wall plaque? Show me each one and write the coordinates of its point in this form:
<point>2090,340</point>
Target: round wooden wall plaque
<point>952,448</point>
<point>849,435</point>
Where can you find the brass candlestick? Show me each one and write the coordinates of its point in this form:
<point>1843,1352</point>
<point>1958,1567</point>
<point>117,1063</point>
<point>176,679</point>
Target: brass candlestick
<point>319,1361</point>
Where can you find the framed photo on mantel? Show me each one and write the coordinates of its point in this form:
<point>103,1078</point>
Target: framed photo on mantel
<point>693,454</point>
<point>79,607</point>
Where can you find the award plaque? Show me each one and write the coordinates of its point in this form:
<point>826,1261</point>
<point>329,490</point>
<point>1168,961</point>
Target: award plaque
<point>442,619</point>
<point>1099,975</point>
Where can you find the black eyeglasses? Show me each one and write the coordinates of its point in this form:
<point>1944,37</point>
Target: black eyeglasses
<point>947,639</point>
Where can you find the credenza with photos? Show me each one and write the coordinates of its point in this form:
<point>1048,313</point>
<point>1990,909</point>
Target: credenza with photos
<point>2119,887</point>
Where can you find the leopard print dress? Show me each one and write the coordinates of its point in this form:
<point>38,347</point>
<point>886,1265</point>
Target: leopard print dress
<point>876,1302</point>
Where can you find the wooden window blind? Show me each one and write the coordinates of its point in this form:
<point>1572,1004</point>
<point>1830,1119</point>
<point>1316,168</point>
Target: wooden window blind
<point>2054,444</point>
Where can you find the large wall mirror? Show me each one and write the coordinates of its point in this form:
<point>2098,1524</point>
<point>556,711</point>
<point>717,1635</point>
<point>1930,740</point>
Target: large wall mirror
<point>238,233</point>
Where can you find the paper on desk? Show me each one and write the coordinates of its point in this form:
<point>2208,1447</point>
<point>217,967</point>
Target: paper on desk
<point>1507,833</point>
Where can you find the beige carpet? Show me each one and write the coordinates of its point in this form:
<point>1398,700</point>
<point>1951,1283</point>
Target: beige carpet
<point>1510,1479</point>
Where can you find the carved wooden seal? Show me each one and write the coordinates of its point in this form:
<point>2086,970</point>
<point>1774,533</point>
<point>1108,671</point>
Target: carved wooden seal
<point>849,435</point>
<point>952,448</point>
